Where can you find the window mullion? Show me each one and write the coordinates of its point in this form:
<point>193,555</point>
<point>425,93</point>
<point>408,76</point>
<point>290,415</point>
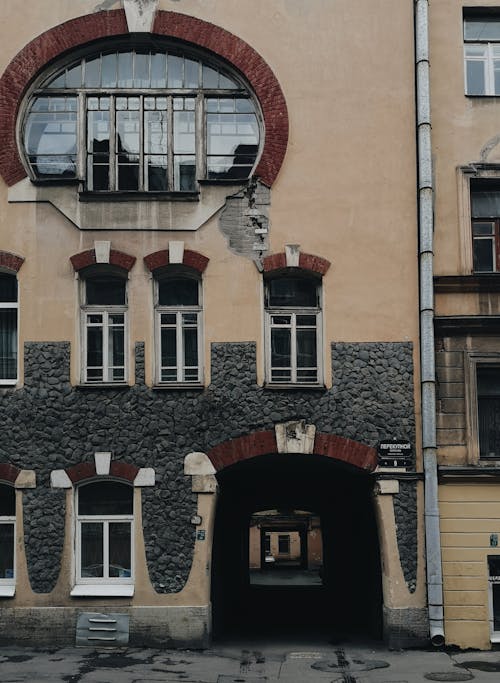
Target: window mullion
<point>170,144</point>
<point>112,144</point>
<point>105,343</point>
<point>490,84</point>
<point>141,143</point>
<point>180,346</point>
<point>200,139</point>
<point>293,346</point>
<point>82,124</point>
<point>105,553</point>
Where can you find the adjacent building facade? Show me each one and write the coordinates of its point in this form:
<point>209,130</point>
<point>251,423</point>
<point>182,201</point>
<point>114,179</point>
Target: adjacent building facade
<point>209,287</point>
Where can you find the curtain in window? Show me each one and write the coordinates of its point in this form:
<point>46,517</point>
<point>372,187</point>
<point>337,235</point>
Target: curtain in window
<point>8,343</point>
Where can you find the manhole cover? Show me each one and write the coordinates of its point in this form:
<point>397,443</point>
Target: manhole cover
<point>449,676</point>
<point>480,666</point>
<point>357,665</point>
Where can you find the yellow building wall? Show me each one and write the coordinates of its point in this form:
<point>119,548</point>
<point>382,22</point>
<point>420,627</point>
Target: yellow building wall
<point>470,512</point>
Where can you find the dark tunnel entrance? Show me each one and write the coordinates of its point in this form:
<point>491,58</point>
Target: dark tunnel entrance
<point>270,575</point>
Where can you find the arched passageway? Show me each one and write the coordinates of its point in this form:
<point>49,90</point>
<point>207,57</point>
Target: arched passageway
<point>347,597</point>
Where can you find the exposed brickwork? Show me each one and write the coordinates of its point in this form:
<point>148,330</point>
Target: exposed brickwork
<point>261,443</point>
<point>352,452</point>
<point>10,261</point>
<point>274,262</point>
<point>26,64</point>
<point>191,259</point>
<point>8,472</point>
<point>76,32</point>
<point>86,470</point>
<point>116,258</point>
<point>123,470</point>
<point>242,448</point>
<point>195,260</point>
<point>316,264</point>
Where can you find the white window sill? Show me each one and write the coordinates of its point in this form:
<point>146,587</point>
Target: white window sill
<point>495,637</point>
<point>7,591</point>
<point>89,590</point>
<point>8,382</point>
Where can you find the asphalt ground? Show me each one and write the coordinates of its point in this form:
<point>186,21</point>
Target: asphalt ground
<point>246,661</point>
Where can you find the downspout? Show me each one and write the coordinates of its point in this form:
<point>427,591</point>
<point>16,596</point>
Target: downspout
<point>428,380</point>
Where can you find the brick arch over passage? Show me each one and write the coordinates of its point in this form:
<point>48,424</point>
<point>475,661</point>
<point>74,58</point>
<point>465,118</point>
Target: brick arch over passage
<point>77,32</point>
<point>338,448</point>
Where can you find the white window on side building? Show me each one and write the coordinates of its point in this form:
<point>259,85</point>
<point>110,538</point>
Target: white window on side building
<point>104,329</point>
<point>104,538</point>
<point>293,330</point>
<point>8,328</point>
<point>179,351</point>
<point>482,53</point>
<point>7,540</point>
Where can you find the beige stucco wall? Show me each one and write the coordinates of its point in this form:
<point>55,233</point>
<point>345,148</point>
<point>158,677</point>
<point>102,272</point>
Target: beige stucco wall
<point>346,192</point>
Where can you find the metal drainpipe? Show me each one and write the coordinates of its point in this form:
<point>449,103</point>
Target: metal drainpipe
<point>428,381</point>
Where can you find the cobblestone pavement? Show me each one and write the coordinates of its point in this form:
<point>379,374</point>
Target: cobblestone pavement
<point>247,662</point>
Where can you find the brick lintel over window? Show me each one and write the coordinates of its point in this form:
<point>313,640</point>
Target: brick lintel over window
<point>116,258</point>
<point>190,259</point>
<point>75,33</point>
<point>87,470</point>
<point>10,261</point>
<point>315,264</point>
<point>9,473</point>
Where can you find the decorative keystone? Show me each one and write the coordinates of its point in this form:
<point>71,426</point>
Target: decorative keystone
<point>102,463</point>
<point>140,15</point>
<point>295,437</point>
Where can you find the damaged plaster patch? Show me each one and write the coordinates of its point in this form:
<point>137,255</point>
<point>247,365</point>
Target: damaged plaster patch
<point>244,221</point>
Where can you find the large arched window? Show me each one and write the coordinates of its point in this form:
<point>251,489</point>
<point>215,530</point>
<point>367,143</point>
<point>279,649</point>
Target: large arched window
<point>140,120</point>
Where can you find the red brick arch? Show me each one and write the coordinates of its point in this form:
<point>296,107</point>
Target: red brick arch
<point>190,259</point>
<point>86,470</point>
<point>116,258</point>
<point>338,448</point>
<point>77,32</point>
<point>10,261</point>
<point>316,264</point>
<point>8,473</point>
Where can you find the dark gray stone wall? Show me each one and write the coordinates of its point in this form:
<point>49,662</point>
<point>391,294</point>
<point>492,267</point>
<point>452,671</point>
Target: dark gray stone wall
<point>405,511</point>
<point>405,628</point>
<point>51,425</point>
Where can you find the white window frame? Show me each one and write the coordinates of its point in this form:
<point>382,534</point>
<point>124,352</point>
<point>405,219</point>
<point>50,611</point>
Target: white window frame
<point>105,581</point>
<point>199,95</point>
<point>293,312</point>
<point>11,305</point>
<point>491,53</point>
<point>105,311</point>
<point>494,635</point>
<point>178,311</point>
<point>8,586</point>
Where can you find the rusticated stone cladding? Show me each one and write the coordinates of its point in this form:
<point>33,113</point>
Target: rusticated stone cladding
<point>49,424</point>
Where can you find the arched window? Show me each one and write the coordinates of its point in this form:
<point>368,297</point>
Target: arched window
<point>178,327</point>
<point>8,328</point>
<point>104,533</point>
<point>149,119</point>
<point>104,326</point>
<point>293,329</point>
<point>7,536</point>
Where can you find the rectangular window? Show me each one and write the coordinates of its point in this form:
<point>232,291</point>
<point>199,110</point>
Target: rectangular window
<point>284,544</point>
<point>482,54</point>
<point>104,322</point>
<point>488,410</point>
<point>485,212</point>
<point>8,329</point>
<point>7,540</point>
<point>178,329</point>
